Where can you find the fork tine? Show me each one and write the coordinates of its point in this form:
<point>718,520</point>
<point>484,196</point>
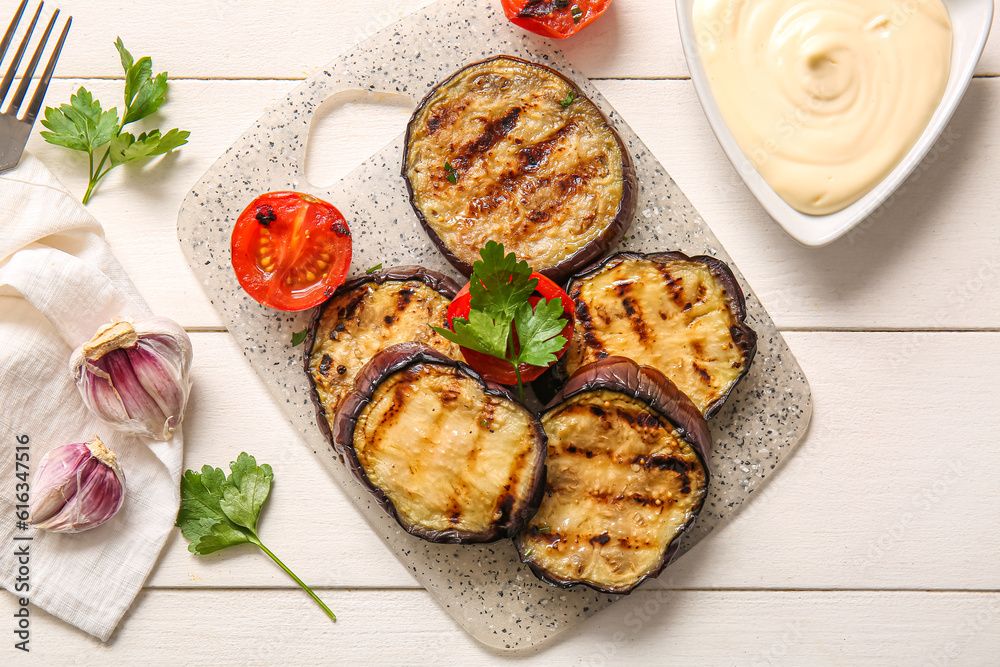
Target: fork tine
<point>12,69</point>
<point>30,71</point>
<point>36,100</point>
<point>9,35</point>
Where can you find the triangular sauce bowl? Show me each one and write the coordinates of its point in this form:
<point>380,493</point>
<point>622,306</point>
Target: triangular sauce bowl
<point>970,19</point>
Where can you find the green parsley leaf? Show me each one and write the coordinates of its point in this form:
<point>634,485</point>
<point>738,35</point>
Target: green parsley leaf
<point>500,310</point>
<point>570,96</point>
<point>500,282</point>
<point>217,512</point>
<point>245,495</point>
<point>576,12</point>
<point>374,269</point>
<point>538,332</point>
<point>452,174</point>
<point>480,332</point>
<point>299,337</point>
<point>127,148</point>
<point>83,125</point>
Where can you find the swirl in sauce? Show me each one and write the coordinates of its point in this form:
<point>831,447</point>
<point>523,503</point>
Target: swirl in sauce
<point>825,97</point>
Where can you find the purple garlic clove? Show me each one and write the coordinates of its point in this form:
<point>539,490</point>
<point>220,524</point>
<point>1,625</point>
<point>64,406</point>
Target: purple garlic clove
<point>134,375</point>
<point>77,487</point>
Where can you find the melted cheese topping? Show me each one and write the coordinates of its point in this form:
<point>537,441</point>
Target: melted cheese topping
<point>674,318</point>
<point>621,484</point>
<point>448,455</point>
<point>541,178</point>
<point>364,321</point>
<point>825,97</point>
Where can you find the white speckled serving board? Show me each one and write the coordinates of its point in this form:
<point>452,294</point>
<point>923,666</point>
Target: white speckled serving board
<point>484,586</point>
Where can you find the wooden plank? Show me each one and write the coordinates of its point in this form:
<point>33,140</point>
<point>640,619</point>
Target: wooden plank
<point>259,39</point>
<point>894,479</point>
<point>168,627</point>
<point>927,262</point>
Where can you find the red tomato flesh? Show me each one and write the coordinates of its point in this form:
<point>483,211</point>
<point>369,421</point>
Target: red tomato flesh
<point>290,250</point>
<point>554,18</point>
<point>500,370</point>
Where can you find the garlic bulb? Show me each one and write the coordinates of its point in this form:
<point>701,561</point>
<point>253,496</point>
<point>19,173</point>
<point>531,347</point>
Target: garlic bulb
<point>77,487</point>
<point>134,375</point>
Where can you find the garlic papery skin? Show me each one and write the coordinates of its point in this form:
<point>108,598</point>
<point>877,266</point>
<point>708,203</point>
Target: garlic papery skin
<point>134,375</point>
<point>77,487</point>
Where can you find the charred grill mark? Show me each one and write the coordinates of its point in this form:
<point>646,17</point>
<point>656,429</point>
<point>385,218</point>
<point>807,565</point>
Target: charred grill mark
<point>647,420</point>
<point>531,157</point>
<point>445,115</point>
<point>403,298</point>
<point>698,349</point>
<point>341,369</point>
<point>505,505</point>
<point>349,311</point>
<point>705,376</point>
<point>337,330</point>
<point>685,484</point>
<point>622,287</point>
<point>597,410</point>
<point>663,463</point>
<point>674,285</point>
<point>324,364</point>
<point>493,131</point>
<point>635,317</point>
<point>601,539</point>
<point>702,293</point>
<point>565,186</point>
<point>389,319</point>
<point>496,194</point>
<point>583,312</point>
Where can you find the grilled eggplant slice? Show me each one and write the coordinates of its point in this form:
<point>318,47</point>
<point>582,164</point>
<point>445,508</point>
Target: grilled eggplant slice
<point>681,315</point>
<point>627,468</point>
<point>452,457</point>
<point>367,315</point>
<point>512,151</point>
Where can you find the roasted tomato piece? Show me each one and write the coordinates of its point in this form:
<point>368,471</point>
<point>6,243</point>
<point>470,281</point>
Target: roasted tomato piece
<point>554,18</point>
<point>290,250</point>
<point>499,370</point>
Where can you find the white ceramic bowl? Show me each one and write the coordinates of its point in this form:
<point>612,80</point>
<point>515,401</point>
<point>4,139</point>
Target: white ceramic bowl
<point>970,20</point>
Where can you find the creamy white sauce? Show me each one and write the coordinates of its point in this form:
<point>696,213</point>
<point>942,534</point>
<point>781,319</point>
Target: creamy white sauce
<point>825,97</point>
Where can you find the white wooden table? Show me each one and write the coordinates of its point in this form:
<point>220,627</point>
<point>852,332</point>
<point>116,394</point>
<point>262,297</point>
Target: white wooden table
<point>879,541</point>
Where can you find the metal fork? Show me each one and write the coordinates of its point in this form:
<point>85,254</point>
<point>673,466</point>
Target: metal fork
<point>14,131</point>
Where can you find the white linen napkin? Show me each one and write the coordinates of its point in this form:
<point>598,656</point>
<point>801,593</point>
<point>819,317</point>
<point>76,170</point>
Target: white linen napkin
<point>59,282</point>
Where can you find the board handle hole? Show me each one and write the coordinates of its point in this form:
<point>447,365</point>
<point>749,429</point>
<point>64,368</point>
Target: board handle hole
<point>348,128</point>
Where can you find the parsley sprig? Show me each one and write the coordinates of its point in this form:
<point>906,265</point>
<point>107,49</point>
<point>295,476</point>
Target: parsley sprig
<point>501,321</point>
<point>218,512</point>
<point>83,125</point>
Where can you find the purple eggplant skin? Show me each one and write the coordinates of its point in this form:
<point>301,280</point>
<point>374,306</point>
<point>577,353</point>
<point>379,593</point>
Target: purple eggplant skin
<point>400,357</point>
<point>644,383</point>
<point>596,248</point>
<point>743,336</point>
<point>436,281</point>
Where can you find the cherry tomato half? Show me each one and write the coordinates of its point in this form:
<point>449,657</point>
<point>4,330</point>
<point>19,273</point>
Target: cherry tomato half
<point>501,371</point>
<point>554,18</point>
<point>290,250</point>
